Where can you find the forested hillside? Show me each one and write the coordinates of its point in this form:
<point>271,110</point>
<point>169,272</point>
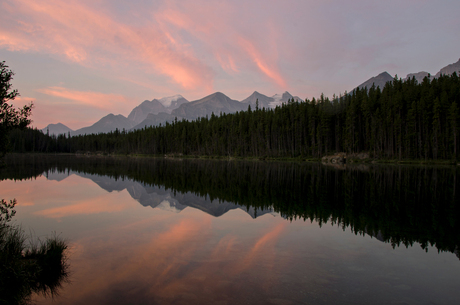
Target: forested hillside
<point>403,120</point>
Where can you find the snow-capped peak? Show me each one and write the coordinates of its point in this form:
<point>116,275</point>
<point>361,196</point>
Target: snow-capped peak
<point>279,99</point>
<point>169,206</point>
<point>167,101</point>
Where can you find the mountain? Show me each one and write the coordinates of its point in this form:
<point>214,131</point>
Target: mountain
<point>264,101</point>
<point>214,103</point>
<point>279,99</point>
<point>449,69</point>
<point>173,102</point>
<point>384,77</point>
<point>108,123</point>
<point>56,129</point>
<point>139,113</point>
<point>379,81</point>
<point>161,107</point>
<point>165,105</point>
<point>418,76</point>
<point>155,120</point>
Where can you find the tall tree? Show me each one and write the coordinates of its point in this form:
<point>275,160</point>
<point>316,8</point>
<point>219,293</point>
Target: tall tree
<point>9,116</point>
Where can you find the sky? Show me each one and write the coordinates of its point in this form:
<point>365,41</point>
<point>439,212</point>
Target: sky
<point>79,60</point>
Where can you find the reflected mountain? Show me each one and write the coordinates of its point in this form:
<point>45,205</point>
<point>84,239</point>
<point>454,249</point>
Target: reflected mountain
<point>160,197</point>
<point>401,205</point>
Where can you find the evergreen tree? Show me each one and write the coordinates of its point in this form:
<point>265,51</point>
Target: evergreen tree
<point>10,117</point>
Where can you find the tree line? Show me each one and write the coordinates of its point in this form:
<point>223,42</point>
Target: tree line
<point>404,120</point>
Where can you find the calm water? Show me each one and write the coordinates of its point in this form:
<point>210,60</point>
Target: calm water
<point>146,231</point>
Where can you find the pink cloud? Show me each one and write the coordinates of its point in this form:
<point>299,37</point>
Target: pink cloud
<point>261,63</point>
<point>73,116</point>
<point>173,40</point>
<point>82,108</point>
<point>94,99</point>
<point>227,62</point>
<point>232,46</point>
<point>22,101</point>
<point>87,36</point>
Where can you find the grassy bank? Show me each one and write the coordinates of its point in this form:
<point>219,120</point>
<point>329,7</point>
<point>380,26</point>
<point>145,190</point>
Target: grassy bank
<point>28,267</point>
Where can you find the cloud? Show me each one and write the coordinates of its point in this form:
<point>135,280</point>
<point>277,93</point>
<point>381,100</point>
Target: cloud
<point>192,47</point>
<point>20,101</point>
<point>227,62</point>
<point>85,35</point>
<point>75,108</point>
<point>233,46</point>
<point>261,63</point>
<point>94,99</point>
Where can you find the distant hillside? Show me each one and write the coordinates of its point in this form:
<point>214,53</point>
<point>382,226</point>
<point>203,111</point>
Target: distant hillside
<point>139,113</point>
<point>264,101</point>
<point>379,81</point>
<point>418,76</point>
<point>214,103</point>
<point>167,109</point>
<point>107,124</point>
<point>449,69</point>
<point>279,99</point>
<point>155,120</point>
<point>56,129</point>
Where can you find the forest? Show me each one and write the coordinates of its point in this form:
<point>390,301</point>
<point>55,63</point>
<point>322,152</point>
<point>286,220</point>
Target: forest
<point>404,120</point>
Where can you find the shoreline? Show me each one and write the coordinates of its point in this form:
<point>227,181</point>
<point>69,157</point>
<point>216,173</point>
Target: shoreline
<point>351,160</point>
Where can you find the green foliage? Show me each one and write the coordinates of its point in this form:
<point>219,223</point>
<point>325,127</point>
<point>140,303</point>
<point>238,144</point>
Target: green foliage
<point>10,117</point>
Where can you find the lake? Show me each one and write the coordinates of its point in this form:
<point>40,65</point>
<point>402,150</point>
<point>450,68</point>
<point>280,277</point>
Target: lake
<point>169,231</point>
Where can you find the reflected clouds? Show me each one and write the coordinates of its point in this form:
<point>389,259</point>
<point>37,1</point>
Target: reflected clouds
<point>154,253</point>
<point>263,246</point>
<point>124,252</point>
<point>101,204</point>
<point>177,260</point>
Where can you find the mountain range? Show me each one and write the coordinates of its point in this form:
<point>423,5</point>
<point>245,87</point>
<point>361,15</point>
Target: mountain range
<point>160,197</point>
<point>167,109</point>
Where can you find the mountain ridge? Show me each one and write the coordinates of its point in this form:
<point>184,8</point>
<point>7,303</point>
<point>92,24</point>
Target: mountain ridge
<point>167,109</point>
<point>109,123</point>
<point>140,112</point>
<point>56,129</point>
<point>214,103</point>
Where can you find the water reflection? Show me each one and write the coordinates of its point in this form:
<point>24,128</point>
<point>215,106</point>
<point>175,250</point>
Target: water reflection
<point>125,253</point>
<point>399,205</point>
<point>27,266</point>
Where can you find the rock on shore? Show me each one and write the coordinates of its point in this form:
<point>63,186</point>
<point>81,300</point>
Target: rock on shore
<point>341,158</point>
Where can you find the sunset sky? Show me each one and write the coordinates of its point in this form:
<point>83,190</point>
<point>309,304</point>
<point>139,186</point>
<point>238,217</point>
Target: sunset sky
<point>81,60</point>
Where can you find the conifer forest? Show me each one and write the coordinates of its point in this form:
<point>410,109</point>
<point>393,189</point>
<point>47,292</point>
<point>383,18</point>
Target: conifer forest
<point>404,120</point>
